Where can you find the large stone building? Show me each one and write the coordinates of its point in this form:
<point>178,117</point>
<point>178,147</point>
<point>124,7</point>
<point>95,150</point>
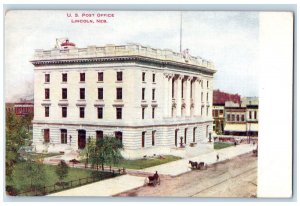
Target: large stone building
<point>151,99</point>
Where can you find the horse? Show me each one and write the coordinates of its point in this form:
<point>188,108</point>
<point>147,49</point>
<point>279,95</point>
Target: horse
<point>193,164</point>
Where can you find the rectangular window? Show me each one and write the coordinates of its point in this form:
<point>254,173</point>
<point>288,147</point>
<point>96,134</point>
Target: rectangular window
<point>119,93</point>
<point>228,117</point>
<point>64,93</point>
<point>81,112</point>
<point>153,138</point>
<point>82,93</point>
<point>100,93</point>
<point>201,96</point>
<point>64,77</point>
<point>119,113</point>
<point>119,136</point>
<point>143,93</point>
<point>207,109</point>
<point>153,94</point>
<point>232,117</point>
<point>201,111</point>
<point>63,136</point>
<point>100,76</point>
<point>207,84</point>
<point>255,114</point>
<point>143,139</point>
<point>153,112</point>
<point>143,76</point>
<point>100,112</point>
<point>242,118</point>
<point>143,113</point>
<point>47,78</point>
<point>119,76</point>
<point>46,111</point>
<point>46,135</point>
<point>207,96</point>
<point>82,77</point>
<point>99,135</point>
<point>250,115</point>
<point>64,111</point>
<point>237,118</point>
<point>47,93</point>
<point>153,78</point>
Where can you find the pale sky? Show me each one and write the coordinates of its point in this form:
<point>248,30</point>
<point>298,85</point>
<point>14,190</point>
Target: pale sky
<point>229,39</point>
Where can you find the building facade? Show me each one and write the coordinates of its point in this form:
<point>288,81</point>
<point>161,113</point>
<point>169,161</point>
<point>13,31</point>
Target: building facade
<point>242,119</point>
<point>219,100</point>
<point>20,108</point>
<point>150,99</point>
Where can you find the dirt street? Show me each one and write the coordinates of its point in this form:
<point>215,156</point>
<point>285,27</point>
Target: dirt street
<point>233,178</point>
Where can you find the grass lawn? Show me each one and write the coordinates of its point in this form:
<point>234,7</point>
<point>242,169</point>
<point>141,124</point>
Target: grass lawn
<point>221,145</point>
<point>144,163</point>
<point>51,177</point>
<point>42,155</point>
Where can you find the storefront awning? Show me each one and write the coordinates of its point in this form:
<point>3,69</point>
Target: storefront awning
<point>235,127</point>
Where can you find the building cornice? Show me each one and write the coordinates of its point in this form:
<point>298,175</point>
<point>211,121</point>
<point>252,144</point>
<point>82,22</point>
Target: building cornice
<point>130,58</point>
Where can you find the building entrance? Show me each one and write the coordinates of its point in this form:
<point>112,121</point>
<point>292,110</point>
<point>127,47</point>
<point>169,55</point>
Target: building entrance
<point>81,139</point>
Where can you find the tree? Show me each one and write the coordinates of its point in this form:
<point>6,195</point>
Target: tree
<point>16,134</point>
<point>62,170</point>
<point>30,174</point>
<point>103,151</point>
<point>111,150</point>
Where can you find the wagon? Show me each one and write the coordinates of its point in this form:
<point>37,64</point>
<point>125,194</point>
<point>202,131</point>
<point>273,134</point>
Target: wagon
<point>152,180</point>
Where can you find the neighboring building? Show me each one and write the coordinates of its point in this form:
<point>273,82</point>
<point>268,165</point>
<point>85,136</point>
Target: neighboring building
<point>219,99</point>
<point>23,108</point>
<point>148,98</point>
<point>252,104</point>
<point>242,119</point>
<point>9,107</point>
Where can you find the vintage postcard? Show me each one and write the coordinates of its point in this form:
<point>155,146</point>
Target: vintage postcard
<point>136,103</point>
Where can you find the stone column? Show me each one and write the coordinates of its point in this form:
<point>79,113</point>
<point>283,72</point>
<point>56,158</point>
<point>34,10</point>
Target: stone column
<point>166,94</point>
<point>197,97</point>
<point>170,99</point>
<point>188,97</point>
<point>178,95</point>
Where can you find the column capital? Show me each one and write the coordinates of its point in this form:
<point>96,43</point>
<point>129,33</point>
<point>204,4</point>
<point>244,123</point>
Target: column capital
<point>189,78</point>
<point>198,79</point>
<point>169,75</point>
<point>180,77</point>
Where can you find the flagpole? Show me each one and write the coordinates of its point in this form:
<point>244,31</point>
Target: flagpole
<point>180,31</point>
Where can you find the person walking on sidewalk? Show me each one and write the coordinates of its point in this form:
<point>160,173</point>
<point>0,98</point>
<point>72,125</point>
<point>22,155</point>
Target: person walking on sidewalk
<point>217,157</point>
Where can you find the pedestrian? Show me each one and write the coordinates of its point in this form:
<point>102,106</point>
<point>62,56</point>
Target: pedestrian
<point>234,143</point>
<point>217,157</point>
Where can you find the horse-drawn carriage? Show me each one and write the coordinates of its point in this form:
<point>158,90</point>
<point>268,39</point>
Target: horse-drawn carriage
<point>152,180</point>
<point>199,166</point>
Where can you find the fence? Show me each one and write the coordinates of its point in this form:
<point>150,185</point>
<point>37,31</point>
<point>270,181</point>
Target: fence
<point>70,184</point>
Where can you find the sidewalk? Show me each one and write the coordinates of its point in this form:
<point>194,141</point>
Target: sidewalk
<point>127,182</point>
<point>107,187</point>
<point>181,166</point>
